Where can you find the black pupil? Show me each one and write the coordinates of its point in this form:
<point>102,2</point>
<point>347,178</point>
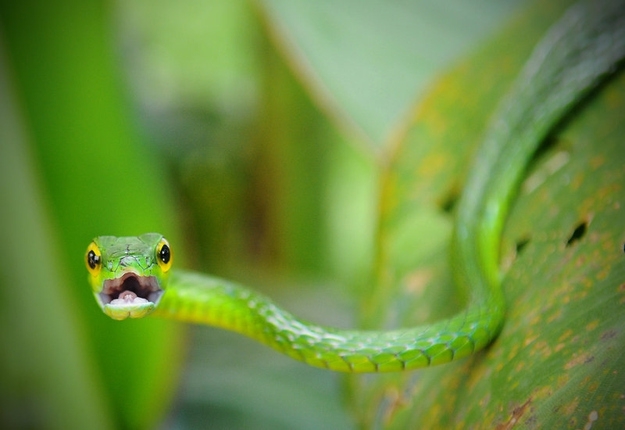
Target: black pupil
<point>165,254</point>
<point>92,259</point>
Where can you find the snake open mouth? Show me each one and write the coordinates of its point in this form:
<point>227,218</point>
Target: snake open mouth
<point>130,289</point>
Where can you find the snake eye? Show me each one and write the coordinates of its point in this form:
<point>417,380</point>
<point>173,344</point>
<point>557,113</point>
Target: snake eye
<point>93,259</point>
<point>163,255</point>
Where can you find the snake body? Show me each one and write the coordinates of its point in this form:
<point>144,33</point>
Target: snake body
<point>133,276</point>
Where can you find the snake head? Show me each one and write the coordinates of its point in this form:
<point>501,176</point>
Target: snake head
<point>128,274</point>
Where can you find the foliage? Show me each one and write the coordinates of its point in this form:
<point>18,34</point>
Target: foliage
<point>231,148</point>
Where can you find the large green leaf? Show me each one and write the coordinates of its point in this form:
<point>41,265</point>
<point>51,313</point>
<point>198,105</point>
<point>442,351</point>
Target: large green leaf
<point>558,358</point>
<point>44,366</point>
<point>96,178</point>
<point>367,61</point>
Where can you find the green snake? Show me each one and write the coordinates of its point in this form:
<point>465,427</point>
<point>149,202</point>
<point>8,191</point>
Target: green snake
<point>132,277</point>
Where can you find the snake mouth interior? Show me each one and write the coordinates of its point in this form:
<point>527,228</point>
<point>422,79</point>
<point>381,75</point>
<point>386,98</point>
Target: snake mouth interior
<point>131,289</point>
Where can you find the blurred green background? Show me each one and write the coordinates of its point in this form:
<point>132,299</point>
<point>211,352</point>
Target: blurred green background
<point>256,135</point>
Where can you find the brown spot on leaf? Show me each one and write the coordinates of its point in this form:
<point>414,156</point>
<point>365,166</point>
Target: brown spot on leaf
<point>597,161</point>
<point>610,334</point>
<point>569,409</point>
<point>579,359</point>
<point>567,334</point>
<point>592,325</point>
<point>517,413</point>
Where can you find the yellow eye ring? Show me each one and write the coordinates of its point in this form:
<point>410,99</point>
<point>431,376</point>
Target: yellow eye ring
<point>93,259</point>
<point>164,256</point>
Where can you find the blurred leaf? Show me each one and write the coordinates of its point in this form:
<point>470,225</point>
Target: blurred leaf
<point>366,62</point>
<point>44,367</point>
<point>98,179</point>
<point>190,54</point>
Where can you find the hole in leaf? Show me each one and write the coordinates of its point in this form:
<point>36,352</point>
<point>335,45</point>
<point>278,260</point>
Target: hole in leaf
<point>578,233</point>
<point>521,244</point>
